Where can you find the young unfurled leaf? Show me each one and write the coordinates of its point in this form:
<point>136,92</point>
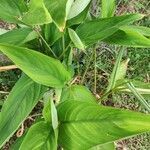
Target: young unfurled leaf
<point>77,7</point>
<point>138,96</point>
<point>96,30</point>
<point>129,37</point>
<point>78,19</point>
<point>18,36</point>
<point>41,68</point>
<point>118,71</point>
<point>76,40</point>
<point>77,92</point>
<point>50,112</point>
<point>88,124</point>
<point>37,14</point>
<point>22,99</point>
<point>141,87</point>
<point>143,30</point>
<point>40,136</point>
<point>108,8</point>
<point>11,10</point>
<point>59,10</point>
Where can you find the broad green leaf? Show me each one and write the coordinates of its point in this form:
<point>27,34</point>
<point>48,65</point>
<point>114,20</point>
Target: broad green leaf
<point>22,99</point>
<point>50,113</point>
<point>12,10</point>
<point>96,30</point>
<point>108,8</point>
<point>18,36</point>
<point>77,92</point>
<point>118,71</point>
<point>109,146</point>
<point>128,37</point>
<point>138,96</point>
<point>58,10</point>
<point>37,14</point>
<point>77,7</point>
<point>40,136</point>
<point>41,68</point>
<point>76,40</point>
<point>86,124</point>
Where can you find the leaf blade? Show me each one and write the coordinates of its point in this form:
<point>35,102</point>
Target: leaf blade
<point>108,8</point>
<point>77,7</point>
<point>18,36</point>
<point>77,92</point>
<point>12,10</point>
<point>37,14</point>
<point>40,136</point>
<point>18,105</point>
<point>50,73</point>
<point>97,124</point>
<point>129,37</point>
<point>92,31</point>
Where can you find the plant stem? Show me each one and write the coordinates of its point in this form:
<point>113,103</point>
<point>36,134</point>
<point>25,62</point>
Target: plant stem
<point>64,51</point>
<point>63,42</point>
<point>87,67</point>
<point>95,71</point>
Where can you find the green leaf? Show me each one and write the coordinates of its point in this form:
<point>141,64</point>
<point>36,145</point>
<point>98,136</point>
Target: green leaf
<point>86,124</point>
<point>40,136</point>
<point>76,40</point>
<point>77,92</point>
<point>37,14</point>
<point>96,30</point>
<point>108,8</point>
<point>77,7</point>
<point>129,37</point>
<point>22,99</point>
<point>59,10</point>
<point>41,68</point>
<point>109,146</point>
<point>18,36</point>
<point>12,10</point>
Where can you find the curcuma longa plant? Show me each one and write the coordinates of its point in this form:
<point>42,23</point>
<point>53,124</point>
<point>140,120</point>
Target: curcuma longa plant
<point>42,44</point>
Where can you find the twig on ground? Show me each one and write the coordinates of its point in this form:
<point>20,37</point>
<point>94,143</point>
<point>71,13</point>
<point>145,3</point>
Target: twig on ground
<point>6,68</point>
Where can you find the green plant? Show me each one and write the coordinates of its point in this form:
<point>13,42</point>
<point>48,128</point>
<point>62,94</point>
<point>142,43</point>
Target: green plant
<point>71,117</point>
